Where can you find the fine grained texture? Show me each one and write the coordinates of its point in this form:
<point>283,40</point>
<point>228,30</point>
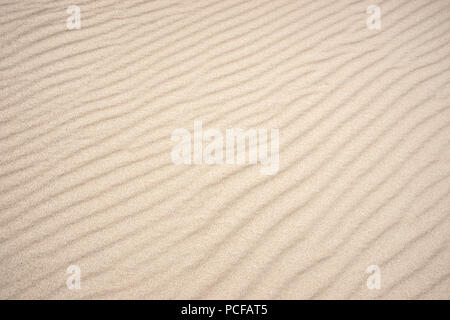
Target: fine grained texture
<point>86,175</point>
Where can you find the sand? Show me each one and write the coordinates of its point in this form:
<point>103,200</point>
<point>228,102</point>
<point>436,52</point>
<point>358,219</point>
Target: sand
<point>87,179</point>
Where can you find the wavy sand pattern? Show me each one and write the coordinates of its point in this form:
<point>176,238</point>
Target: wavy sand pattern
<point>87,179</point>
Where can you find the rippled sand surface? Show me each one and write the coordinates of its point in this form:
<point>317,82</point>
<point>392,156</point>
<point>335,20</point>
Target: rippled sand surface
<point>86,175</point>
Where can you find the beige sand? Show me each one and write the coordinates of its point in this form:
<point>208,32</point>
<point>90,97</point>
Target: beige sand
<point>86,176</point>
